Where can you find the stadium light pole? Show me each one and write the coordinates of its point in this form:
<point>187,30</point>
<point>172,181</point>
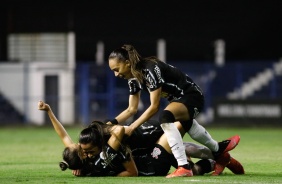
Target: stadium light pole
<point>161,50</point>
<point>219,52</point>
<point>100,53</point>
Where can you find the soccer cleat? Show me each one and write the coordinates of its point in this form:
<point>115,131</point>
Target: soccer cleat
<point>227,145</point>
<point>180,172</point>
<point>234,141</point>
<point>235,166</point>
<point>221,163</point>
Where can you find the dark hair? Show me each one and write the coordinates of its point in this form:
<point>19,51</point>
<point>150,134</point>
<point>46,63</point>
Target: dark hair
<point>128,52</point>
<point>71,159</point>
<point>97,133</point>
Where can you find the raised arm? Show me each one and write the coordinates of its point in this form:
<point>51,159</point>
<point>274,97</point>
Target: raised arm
<point>56,124</point>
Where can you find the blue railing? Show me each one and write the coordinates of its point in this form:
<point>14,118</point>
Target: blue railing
<point>102,95</point>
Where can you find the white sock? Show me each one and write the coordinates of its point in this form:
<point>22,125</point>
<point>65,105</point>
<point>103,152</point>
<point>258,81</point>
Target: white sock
<point>175,142</point>
<point>199,134</point>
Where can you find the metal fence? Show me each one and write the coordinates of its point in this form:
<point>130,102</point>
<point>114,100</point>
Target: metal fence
<point>99,95</point>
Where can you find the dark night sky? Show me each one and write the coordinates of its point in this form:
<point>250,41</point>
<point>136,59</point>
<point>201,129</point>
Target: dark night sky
<point>252,29</point>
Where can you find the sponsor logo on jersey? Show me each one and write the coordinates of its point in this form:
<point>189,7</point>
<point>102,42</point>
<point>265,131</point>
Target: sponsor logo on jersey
<point>107,160</point>
<point>150,81</point>
<point>156,152</point>
<point>158,74</point>
<point>134,86</point>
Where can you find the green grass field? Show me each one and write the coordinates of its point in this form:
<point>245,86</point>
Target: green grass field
<point>32,154</point>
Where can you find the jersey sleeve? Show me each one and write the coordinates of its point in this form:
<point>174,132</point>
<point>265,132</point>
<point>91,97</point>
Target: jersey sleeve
<point>134,86</point>
<point>153,77</point>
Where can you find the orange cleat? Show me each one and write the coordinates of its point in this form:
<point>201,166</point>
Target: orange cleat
<point>235,166</point>
<point>180,172</point>
<point>234,141</point>
<point>221,162</point>
<point>227,145</point>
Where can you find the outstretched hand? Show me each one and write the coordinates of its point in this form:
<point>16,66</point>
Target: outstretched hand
<point>43,106</point>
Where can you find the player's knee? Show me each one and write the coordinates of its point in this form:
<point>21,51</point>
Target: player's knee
<point>166,117</point>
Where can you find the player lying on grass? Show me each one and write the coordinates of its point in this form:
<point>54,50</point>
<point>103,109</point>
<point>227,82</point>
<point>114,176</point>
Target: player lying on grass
<point>152,153</point>
<point>127,168</point>
<point>120,161</point>
<point>73,154</point>
<point>154,160</point>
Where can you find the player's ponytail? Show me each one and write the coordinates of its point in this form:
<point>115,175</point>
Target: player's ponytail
<point>71,159</point>
<point>63,165</point>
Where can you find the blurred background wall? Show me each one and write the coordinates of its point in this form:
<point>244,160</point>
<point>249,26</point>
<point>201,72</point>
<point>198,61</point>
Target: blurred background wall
<point>57,52</point>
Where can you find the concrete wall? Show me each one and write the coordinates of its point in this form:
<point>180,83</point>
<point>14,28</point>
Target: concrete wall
<point>23,85</point>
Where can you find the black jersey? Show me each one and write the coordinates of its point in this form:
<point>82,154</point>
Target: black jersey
<point>151,159</point>
<point>105,166</point>
<point>156,161</point>
<point>175,84</point>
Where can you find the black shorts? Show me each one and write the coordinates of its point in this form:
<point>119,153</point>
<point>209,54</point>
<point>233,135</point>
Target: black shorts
<point>155,162</point>
<point>194,102</point>
<point>145,136</point>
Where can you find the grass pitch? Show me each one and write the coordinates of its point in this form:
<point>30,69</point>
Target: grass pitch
<point>31,155</point>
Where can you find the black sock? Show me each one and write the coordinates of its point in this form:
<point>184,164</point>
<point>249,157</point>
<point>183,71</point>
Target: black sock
<point>221,147</point>
<point>186,166</point>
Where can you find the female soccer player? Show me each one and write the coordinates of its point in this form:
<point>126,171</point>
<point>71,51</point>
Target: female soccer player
<point>73,155</point>
<point>154,159</point>
<point>185,98</point>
